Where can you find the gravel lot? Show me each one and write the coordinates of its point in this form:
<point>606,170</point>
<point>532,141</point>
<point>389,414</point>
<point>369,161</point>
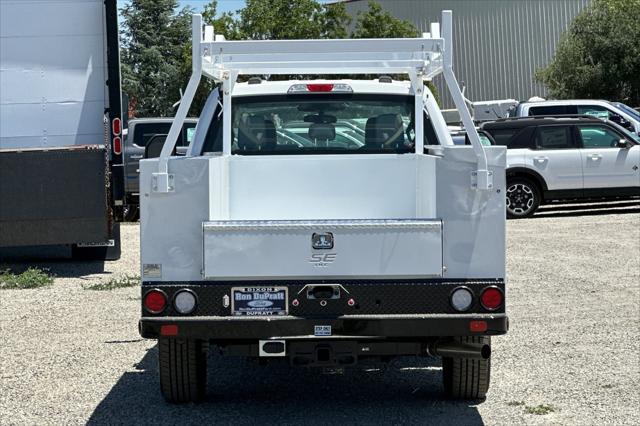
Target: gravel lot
<point>70,355</point>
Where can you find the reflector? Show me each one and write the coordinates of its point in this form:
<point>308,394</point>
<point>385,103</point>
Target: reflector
<point>116,126</point>
<point>155,301</point>
<point>491,298</point>
<point>117,145</point>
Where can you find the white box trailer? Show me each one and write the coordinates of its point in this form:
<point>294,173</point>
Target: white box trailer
<point>368,234</point>
<point>60,125</point>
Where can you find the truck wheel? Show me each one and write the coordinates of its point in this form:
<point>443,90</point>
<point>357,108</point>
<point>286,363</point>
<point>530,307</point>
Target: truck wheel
<point>183,370</point>
<point>467,378</point>
<point>100,253</point>
<point>523,198</point>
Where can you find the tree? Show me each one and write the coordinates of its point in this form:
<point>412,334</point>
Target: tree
<point>291,19</point>
<point>378,23</point>
<point>599,55</point>
<point>153,37</point>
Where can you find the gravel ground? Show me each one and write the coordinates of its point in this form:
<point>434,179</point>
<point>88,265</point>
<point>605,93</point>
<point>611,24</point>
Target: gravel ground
<point>70,355</point>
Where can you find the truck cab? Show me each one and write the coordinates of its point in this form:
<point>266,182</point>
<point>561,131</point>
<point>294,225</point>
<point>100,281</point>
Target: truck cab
<point>313,220</point>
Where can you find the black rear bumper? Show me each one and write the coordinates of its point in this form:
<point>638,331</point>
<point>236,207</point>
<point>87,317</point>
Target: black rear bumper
<point>358,327</point>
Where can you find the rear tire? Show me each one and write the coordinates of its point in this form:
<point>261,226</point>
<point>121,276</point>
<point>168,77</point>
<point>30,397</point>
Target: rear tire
<point>465,378</point>
<point>523,198</point>
<point>183,370</point>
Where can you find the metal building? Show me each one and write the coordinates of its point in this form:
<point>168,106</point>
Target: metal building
<point>498,44</point>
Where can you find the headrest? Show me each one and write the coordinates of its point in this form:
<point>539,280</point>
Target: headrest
<point>322,132</point>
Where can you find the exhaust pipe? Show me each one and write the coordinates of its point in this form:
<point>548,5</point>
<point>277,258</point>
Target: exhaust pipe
<point>459,350</point>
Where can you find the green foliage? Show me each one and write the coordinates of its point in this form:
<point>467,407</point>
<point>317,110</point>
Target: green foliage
<point>114,283</point>
<point>291,19</point>
<point>378,23</point>
<point>31,278</point>
<point>152,40</point>
<point>539,410</point>
<point>599,56</point>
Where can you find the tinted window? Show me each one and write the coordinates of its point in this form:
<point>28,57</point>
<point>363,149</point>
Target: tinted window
<point>598,137</point>
<point>145,131</point>
<point>503,136</point>
<point>512,138</point>
<point>553,110</point>
<point>325,124</point>
<point>554,137</point>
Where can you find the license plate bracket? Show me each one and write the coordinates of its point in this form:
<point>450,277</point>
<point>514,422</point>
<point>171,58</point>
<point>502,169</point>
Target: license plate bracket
<point>259,301</point>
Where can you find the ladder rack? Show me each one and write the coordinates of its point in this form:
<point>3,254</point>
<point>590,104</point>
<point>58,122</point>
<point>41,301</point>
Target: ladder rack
<point>420,58</point>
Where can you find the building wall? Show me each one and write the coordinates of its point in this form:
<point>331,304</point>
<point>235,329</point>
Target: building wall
<point>498,44</point>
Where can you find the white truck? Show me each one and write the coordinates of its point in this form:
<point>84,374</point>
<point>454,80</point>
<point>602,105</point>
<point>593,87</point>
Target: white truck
<point>617,112</point>
<point>322,251</point>
<point>61,178</point>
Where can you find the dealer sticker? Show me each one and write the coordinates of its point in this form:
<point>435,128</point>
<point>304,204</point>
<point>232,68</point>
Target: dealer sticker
<point>259,301</point>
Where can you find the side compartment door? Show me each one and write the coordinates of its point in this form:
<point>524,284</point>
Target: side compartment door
<point>604,164</point>
<point>556,158</point>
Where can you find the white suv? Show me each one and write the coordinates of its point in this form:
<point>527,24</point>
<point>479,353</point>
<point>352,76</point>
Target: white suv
<point>562,158</point>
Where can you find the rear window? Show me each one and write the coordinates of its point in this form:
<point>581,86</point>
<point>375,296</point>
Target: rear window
<point>143,132</point>
<point>503,136</point>
<point>513,138</point>
<point>323,123</point>
<point>553,110</point>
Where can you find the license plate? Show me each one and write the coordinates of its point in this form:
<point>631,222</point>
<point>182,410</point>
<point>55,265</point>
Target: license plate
<point>259,301</point>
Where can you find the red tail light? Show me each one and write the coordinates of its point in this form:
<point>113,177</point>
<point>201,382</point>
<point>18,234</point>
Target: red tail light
<point>491,298</point>
<point>155,301</point>
<point>116,126</point>
<point>319,87</point>
<point>117,145</point>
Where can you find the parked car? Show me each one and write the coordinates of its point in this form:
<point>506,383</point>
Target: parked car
<point>138,134</point>
<point>616,112</point>
<point>564,158</point>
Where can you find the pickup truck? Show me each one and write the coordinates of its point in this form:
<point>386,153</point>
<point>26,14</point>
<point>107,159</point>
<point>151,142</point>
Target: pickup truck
<point>616,112</point>
<point>323,253</point>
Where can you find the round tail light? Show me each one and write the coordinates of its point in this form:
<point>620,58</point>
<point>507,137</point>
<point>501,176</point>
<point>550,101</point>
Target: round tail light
<point>155,301</point>
<point>461,299</point>
<point>184,301</point>
<point>491,298</point>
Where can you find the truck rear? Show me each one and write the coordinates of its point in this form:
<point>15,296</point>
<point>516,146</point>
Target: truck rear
<point>323,221</point>
<point>61,175</point>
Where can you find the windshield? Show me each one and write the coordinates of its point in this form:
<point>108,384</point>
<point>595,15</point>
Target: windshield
<point>626,108</point>
<point>322,123</point>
